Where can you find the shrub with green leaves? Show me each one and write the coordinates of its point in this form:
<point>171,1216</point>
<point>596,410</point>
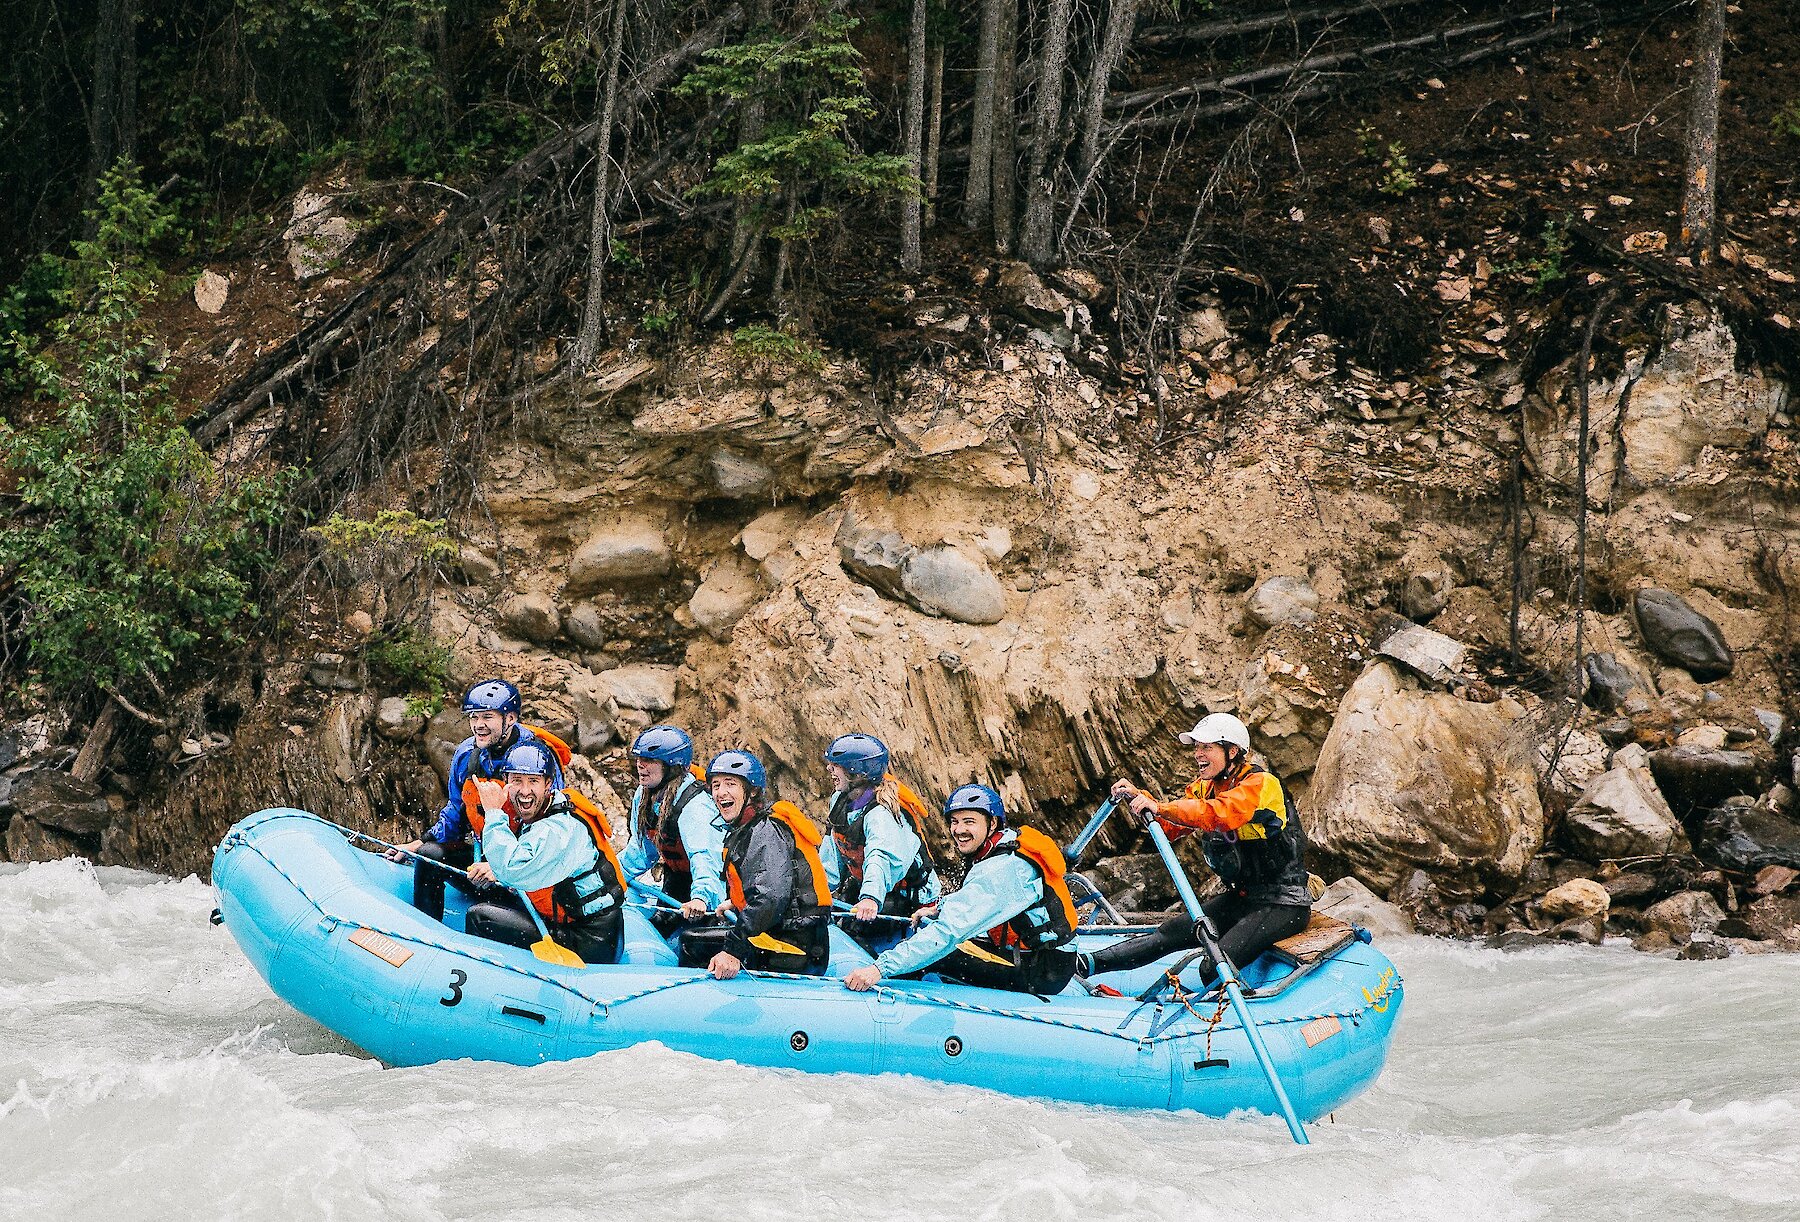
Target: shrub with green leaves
<point>124,552</point>
<point>1787,120</point>
<point>807,162</point>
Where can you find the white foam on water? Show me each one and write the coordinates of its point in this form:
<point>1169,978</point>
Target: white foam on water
<point>146,1072</point>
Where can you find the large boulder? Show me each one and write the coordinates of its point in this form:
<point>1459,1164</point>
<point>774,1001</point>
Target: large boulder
<point>641,685</point>
<point>57,800</point>
<point>29,840</point>
<point>949,582</point>
<point>1282,600</point>
<point>1291,688</point>
<point>1348,900</point>
<point>1621,813</point>
<point>631,550</point>
<point>1579,897</point>
<point>1747,838</point>
<point>1695,777</point>
<point>1682,636</point>
<point>1683,915</point>
<point>531,614</point>
<point>724,598</point>
<point>1411,779</point>
<point>877,558</point>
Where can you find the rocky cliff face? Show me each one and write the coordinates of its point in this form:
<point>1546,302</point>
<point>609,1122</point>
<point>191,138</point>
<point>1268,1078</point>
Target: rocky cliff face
<point>969,564</point>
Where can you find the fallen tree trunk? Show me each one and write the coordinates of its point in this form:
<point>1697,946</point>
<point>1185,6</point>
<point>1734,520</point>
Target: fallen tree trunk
<point>1518,42</point>
<point>1212,31</point>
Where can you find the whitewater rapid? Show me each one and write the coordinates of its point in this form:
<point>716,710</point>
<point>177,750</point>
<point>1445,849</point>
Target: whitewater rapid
<point>147,1072</point>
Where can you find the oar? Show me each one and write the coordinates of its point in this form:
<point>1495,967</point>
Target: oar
<point>654,892</point>
<point>1078,846</point>
<point>761,941</point>
<point>1209,941</point>
<point>843,909</point>
<point>546,948</point>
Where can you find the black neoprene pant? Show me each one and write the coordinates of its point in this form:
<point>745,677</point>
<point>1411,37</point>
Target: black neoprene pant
<point>1041,971</point>
<point>501,917</point>
<point>1246,930</point>
<point>429,881</point>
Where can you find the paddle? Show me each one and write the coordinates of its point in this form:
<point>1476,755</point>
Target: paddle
<point>761,941</point>
<point>654,892</point>
<point>545,948</point>
<point>843,909</point>
<point>1209,941</point>
<point>1078,846</point>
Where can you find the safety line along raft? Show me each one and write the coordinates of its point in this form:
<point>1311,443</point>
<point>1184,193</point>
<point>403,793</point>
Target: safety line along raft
<point>331,928</point>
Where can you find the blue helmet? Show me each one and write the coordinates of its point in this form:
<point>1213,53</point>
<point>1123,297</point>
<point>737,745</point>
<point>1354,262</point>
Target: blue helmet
<point>977,798</point>
<point>861,755</point>
<point>665,744</point>
<point>740,764</point>
<point>492,696</point>
<point>529,758</point>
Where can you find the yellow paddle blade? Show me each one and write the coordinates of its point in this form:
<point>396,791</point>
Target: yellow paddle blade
<point>986,956</point>
<point>763,941</point>
<point>552,951</point>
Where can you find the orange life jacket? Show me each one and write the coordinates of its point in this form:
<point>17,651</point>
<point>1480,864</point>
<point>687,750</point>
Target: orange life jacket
<point>806,839</point>
<point>592,818</point>
<point>557,746</point>
<point>1020,931</point>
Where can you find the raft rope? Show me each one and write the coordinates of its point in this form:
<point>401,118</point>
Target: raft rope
<point>1182,995</point>
<point>237,839</point>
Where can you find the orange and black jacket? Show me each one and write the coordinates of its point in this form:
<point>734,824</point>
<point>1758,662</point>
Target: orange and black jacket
<point>1250,834</point>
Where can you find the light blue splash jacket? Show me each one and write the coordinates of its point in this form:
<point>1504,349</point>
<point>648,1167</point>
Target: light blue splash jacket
<point>891,847</point>
<point>997,888</point>
<point>702,830</point>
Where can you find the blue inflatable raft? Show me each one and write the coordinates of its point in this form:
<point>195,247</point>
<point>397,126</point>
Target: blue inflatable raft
<point>331,928</point>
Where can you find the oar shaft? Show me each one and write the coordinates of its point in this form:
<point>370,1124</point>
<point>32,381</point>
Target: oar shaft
<point>1078,846</point>
<point>654,892</point>
<point>1228,977</point>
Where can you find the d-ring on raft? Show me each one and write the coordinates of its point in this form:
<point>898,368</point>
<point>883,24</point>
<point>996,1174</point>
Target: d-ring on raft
<point>331,929</point>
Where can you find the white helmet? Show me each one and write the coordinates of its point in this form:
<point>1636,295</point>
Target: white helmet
<point>1221,728</point>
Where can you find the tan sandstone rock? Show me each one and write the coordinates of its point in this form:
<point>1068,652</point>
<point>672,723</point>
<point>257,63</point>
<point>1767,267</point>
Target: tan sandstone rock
<point>1411,779</point>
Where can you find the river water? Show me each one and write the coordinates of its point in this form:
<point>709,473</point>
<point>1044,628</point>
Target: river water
<point>147,1072</point>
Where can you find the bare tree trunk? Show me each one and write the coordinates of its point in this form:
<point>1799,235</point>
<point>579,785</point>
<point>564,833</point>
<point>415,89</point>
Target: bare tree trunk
<point>1121,17</point>
<point>778,281</point>
<point>750,130</point>
<point>1006,124</point>
<point>93,749</point>
<point>978,194</point>
<point>1037,241</point>
<point>593,318</point>
<point>934,132</point>
<point>112,116</point>
<point>1702,189</point>
<point>911,203</point>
